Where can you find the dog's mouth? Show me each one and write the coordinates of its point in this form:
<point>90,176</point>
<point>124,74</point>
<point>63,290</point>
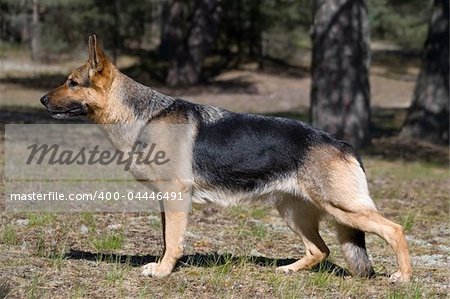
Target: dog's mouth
<point>73,111</point>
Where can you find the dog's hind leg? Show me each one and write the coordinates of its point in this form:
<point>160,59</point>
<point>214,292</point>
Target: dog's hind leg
<point>303,218</point>
<point>344,195</point>
<point>372,222</point>
<point>354,248</point>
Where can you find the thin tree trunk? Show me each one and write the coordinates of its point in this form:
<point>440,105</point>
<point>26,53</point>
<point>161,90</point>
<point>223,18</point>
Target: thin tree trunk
<point>256,30</point>
<point>340,92</point>
<point>240,31</point>
<point>190,38</point>
<point>35,32</point>
<point>428,116</point>
<point>116,30</point>
<point>2,23</point>
<point>25,30</point>
<point>170,27</point>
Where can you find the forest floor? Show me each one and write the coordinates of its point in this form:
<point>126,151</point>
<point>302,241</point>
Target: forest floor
<point>232,252</point>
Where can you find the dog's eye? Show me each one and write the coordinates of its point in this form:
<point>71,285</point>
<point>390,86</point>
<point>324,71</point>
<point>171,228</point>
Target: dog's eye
<point>72,83</point>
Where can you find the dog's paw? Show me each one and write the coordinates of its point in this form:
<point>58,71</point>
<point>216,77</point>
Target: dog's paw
<point>399,277</point>
<point>287,269</point>
<point>155,270</point>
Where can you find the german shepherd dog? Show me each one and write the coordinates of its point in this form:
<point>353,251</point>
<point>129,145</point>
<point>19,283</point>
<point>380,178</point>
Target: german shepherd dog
<point>238,157</point>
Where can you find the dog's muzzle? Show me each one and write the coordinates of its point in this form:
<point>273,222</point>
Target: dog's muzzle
<point>72,109</point>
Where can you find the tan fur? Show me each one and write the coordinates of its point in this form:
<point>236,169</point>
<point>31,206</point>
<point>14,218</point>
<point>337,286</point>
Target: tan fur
<point>336,184</point>
<point>174,228</point>
<point>172,119</point>
<point>303,218</point>
<point>329,177</point>
<point>113,110</point>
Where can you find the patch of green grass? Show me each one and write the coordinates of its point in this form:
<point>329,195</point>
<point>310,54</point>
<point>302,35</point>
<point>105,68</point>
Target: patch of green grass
<point>109,241</point>
<point>219,270</point>
<point>220,274</point>
<point>40,245</point>
<point>245,212</point>
<point>9,236</point>
<point>225,261</point>
<point>286,286</point>
<point>252,230</point>
<point>143,292</point>
<point>413,291</point>
<point>399,178</point>
<point>349,287</point>
<point>40,219</point>
<point>79,291</point>
<point>33,288</point>
<point>181,287</point>
<point>257,230</point>
<point>115,274</point>
<point>407,171</point>
<point>58,259</point>
<point>88,219</point>
<point>239,212</point>
<point>408,221</point>
<point>260,212</point>
<point>155,222</point>
<point>320,279</point>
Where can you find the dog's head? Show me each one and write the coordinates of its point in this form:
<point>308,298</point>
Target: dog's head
<point>86,88</point>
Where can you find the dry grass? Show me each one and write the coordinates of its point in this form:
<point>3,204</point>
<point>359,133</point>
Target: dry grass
<point>229,252</point>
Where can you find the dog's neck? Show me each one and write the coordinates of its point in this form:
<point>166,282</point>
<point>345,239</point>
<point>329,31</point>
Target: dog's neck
<point>129,101</point>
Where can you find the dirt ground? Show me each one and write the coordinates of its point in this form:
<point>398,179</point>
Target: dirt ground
<point>231,253</point>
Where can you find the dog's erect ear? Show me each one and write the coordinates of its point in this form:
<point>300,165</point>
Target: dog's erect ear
<point>97,58</point>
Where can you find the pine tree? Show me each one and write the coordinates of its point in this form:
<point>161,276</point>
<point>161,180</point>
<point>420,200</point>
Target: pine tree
<point>428,116</point>
<point>340,92</point>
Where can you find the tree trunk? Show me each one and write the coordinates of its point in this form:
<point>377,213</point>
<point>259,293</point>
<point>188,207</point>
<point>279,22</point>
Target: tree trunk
<point>428,116</point>
<point>25,22</point>
<point>189,38</point>
<point>256,31</point>
<point>2,23</point>
<point>35,32</point>
<point>116,29</point>
<point>340,92</point>
<point>171,27</point>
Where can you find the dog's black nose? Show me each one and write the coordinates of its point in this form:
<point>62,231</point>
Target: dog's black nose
<point>44,100</point>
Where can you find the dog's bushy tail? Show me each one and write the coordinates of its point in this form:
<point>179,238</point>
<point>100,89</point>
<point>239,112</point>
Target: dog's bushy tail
<point>354,248</point>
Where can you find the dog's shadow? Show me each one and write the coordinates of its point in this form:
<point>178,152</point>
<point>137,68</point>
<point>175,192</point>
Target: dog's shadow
<point>205,260</point>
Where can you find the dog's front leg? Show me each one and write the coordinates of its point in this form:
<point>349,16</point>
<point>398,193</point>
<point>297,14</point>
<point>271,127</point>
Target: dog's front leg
<point>174,228</point>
